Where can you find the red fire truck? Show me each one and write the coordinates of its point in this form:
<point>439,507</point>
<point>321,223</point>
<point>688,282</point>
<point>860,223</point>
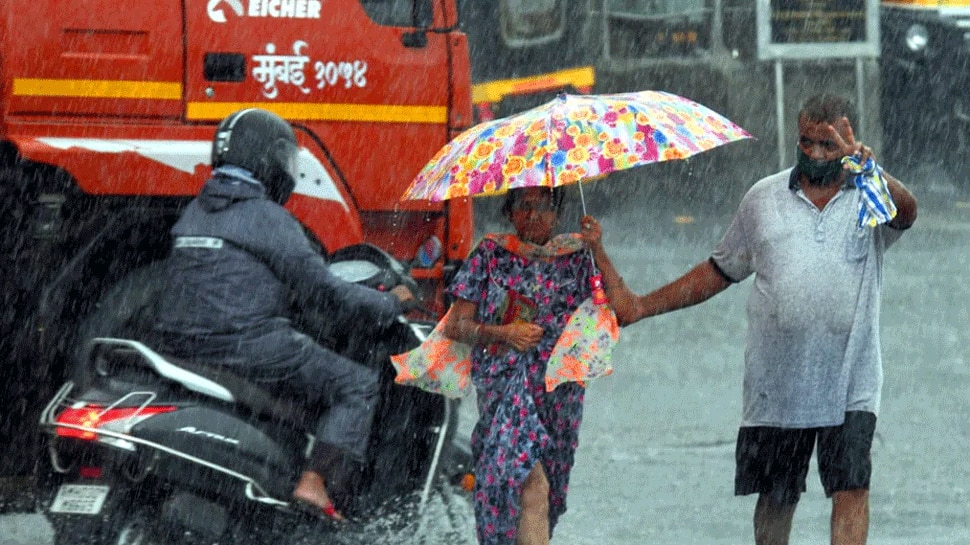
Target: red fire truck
<point>107,111</point>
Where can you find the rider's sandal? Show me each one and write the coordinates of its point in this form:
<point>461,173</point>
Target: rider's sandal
<point>328,513</point>
<point>331,513</point>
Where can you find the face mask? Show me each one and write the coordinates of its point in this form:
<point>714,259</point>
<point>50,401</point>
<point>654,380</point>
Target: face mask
<point>819,172</point>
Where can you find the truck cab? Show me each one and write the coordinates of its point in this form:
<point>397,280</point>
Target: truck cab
<point>107,113</point>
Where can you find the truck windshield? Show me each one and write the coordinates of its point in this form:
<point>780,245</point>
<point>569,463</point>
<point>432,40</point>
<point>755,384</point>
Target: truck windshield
<point>530,22</point>
<point>654,7</point>
<point>401,13</point>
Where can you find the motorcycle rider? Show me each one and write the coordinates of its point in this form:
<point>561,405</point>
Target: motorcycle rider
<point>236,255</point>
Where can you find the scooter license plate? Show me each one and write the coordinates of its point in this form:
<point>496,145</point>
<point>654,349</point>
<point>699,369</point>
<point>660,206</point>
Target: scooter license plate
<point>81,499</point>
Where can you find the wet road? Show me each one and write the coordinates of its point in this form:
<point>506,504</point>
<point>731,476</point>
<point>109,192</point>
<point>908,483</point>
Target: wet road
<point>655,463</point>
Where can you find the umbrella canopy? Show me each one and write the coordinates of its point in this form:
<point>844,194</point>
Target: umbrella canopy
<point>569,139</point>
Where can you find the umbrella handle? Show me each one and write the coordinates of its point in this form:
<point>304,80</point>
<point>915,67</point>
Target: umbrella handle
<point>596,284</point>
<point>596,280</point>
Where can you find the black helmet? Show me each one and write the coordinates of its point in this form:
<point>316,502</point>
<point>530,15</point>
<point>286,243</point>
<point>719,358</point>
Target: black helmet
<point>262,143</point>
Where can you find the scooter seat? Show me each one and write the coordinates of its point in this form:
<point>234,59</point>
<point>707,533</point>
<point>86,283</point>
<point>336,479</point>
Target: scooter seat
<point>249,395</point>
<point>212,381</point>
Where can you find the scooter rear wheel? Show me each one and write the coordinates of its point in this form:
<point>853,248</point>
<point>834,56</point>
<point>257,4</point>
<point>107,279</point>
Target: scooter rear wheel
<point>137,529</point>
<point>118,524</point>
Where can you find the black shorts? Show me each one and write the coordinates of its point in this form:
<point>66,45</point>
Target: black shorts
<point>774,461</point>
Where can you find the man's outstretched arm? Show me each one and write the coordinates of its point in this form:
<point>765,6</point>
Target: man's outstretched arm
<point>699,284</point>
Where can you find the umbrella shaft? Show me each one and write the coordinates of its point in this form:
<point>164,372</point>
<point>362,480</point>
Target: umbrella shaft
<point>582,198</point>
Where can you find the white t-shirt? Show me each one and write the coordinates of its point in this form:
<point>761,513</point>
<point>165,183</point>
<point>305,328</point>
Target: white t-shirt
<point>812,349</point>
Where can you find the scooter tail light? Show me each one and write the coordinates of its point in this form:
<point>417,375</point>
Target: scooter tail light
<point>94,417</point>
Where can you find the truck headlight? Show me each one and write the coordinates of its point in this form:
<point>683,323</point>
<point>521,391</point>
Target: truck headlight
<point>917,38</point>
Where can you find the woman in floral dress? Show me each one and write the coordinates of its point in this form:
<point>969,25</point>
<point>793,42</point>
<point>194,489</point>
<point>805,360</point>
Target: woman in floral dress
<point>514,295</point>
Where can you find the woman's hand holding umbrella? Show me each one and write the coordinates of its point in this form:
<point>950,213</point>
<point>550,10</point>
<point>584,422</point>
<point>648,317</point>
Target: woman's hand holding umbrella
<point>592,233</point>
<point>625,303</point>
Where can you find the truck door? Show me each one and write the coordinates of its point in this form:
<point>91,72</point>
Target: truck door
<point>97,57</point>
<point>353,72</point>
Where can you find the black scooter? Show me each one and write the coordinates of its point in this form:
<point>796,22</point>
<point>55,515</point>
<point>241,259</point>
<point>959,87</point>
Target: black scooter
<point>147,448</point>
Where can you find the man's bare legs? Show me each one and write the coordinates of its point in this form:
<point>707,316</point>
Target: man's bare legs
<point>534,522</point>
<point>311,490</point>
<point>850,517</point>
<point>772,521</point>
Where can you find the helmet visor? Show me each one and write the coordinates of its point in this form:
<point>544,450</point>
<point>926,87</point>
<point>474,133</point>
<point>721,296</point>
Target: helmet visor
<point>285,156</point>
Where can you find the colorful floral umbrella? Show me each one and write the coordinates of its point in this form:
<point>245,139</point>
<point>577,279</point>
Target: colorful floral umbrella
<point>569,139</point>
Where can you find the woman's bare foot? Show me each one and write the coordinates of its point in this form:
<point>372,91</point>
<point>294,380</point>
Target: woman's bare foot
<point>310,490</point>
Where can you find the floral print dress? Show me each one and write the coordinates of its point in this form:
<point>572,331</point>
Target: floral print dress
<point>520,424</point>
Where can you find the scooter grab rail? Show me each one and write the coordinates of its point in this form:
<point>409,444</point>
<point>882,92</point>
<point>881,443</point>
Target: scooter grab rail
<point>61,395</point>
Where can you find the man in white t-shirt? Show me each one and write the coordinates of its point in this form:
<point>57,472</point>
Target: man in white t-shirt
<point>813,369</point>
